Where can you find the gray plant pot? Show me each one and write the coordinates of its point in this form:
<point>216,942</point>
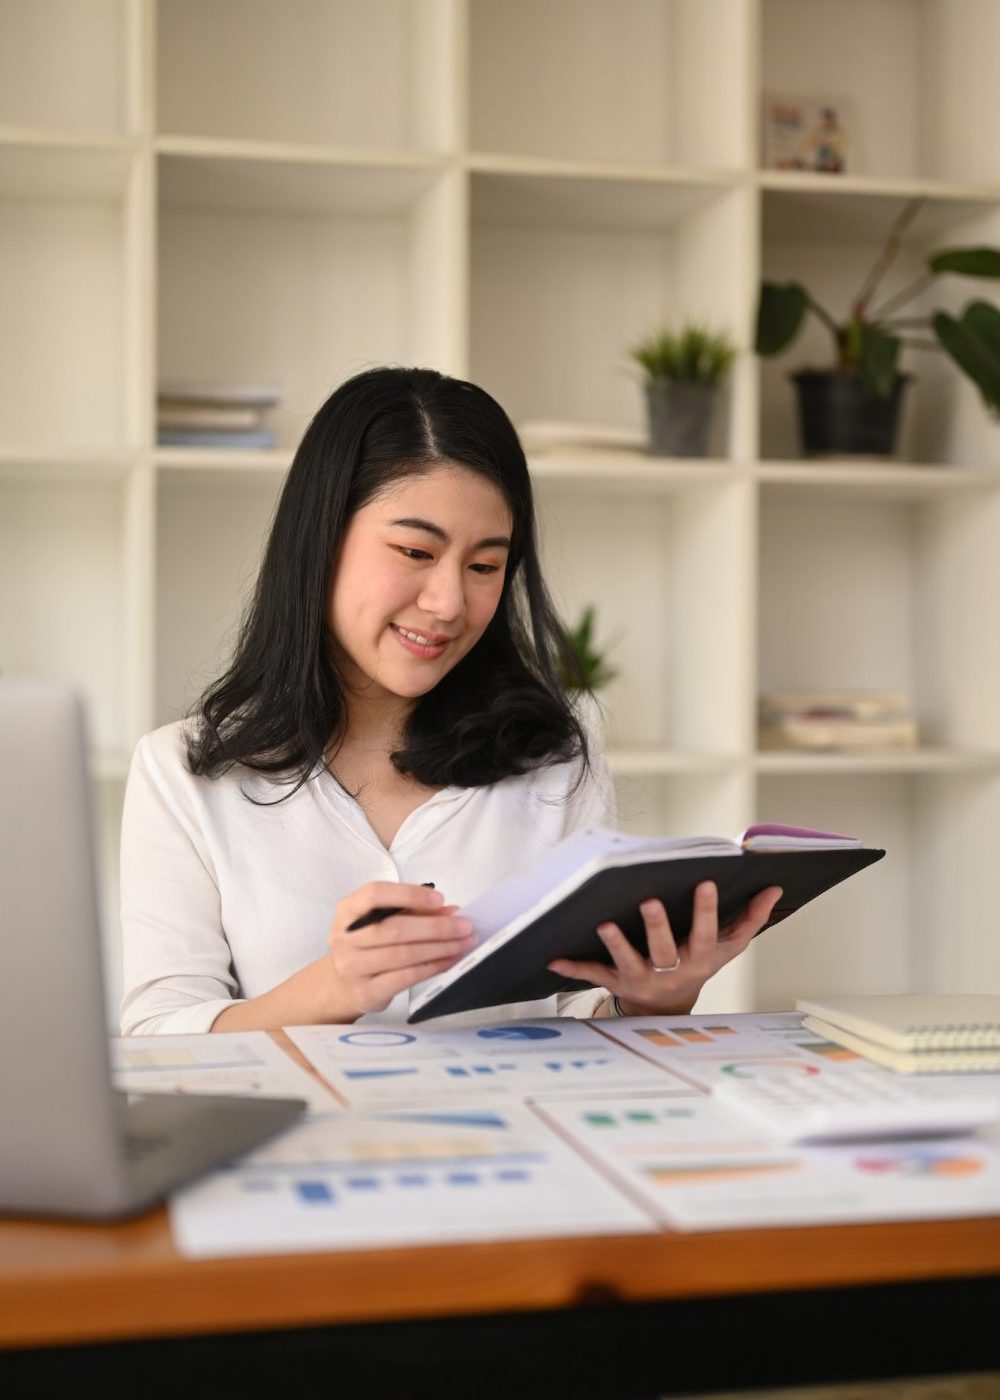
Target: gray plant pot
<point>680,417</point>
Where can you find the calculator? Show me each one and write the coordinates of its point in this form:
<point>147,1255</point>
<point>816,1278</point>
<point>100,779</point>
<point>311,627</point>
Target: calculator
<point>863,1102</point>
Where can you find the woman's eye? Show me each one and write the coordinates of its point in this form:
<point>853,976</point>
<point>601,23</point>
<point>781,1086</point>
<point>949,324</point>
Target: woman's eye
<point>485,568</point>
<point>413,553</point>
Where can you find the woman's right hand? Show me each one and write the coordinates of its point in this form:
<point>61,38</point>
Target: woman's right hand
<point>373,964</point>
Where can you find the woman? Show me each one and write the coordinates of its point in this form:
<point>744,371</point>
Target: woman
<point>392,719</point>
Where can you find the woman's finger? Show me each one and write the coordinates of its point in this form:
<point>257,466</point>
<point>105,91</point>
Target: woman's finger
<point>704,935</point>
<point>383,894</point>
<point>599,974</point>
<point>663,950</point>
<point>756,914</point>
<point>408,928</point>
<point>372,962</point>
<point>629,962</point>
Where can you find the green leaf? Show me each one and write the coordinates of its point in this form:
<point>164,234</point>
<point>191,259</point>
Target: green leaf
<point>878,358</point>
<point>583,667</point>
<point>694,353</point>
<point>973,342</point>
<point>970,262</point>
<point>780,315</point>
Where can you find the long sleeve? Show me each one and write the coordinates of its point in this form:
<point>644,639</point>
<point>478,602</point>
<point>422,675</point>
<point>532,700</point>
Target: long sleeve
<point>177,972</point>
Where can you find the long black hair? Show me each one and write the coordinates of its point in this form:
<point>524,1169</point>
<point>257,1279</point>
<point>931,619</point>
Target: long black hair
<point>502,710</point>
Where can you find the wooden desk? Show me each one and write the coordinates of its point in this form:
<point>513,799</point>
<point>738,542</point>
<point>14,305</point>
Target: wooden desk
<point>625,1316</point>
<point>900,1299</point>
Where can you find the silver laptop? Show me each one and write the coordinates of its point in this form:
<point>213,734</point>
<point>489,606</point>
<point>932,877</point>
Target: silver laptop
<point>70,1144</point>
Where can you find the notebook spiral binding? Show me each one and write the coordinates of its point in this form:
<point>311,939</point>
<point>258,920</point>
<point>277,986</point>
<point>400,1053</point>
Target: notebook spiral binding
<point>955,1037</point>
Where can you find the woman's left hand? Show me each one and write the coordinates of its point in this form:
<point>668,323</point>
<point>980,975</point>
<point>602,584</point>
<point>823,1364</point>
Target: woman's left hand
<point>670,980</point>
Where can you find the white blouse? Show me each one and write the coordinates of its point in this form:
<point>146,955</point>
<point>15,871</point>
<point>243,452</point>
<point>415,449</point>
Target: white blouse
<point>224,898</point>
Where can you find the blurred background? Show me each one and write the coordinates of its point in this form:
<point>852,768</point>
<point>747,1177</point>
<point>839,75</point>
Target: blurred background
<point>214,211</point>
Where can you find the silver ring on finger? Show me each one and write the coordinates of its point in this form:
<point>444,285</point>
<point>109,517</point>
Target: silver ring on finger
<point>673,967</point>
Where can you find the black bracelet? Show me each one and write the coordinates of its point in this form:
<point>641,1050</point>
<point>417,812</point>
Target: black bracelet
<point>616,1006</point>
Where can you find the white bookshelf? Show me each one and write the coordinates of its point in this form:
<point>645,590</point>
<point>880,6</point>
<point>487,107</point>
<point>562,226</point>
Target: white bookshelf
<point>516,190</point>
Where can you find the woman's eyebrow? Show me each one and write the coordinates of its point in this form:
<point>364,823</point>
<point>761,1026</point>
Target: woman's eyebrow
<point>412,522</point>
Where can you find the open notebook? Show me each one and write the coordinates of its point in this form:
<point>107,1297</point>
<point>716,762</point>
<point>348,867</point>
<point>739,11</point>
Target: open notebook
<point>552,909</point>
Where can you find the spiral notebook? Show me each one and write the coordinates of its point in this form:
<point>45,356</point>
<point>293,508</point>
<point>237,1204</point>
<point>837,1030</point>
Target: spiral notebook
<point>917,1034</point>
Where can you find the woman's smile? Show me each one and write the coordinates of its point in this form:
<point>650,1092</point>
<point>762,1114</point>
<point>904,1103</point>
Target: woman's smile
<point>427,646</point>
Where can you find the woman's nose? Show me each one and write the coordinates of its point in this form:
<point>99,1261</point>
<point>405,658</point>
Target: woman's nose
<point>442,594</point>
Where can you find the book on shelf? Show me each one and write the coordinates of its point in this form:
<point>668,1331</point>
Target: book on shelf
<point>835,720</point>
<point>176,415</point>
<point>552,909</point>
<point>193,414</point>
<point>251,439</point>
<point>238,393</point>
<point>915,1034</point>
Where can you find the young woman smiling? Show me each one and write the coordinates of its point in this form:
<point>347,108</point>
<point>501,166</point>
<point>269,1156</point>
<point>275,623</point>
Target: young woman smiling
<point>392,717</point>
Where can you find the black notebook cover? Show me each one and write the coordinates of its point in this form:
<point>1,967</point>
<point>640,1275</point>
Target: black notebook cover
<point>516,970</point>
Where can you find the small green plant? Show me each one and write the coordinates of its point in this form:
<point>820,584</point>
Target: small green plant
<point>869,342</point>
<point>583,667</point>
<point>693,354</point>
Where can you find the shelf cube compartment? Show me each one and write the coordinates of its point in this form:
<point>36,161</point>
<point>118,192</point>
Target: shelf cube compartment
<point>635,82</point>
<point>884,595</point>
<point>64,65</point>
<point>830,243</point>
<point>211,527</point>
<point>67,230</point>
<point>569,272</point>
<point>375,76</point>
<point>670,616</point>
<point>303,274</point>
<point>912,81</point>
<point>63,592</point>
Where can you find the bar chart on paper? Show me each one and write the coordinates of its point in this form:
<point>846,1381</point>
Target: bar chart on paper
<point>245,1064</point>
<point>391,1177</point>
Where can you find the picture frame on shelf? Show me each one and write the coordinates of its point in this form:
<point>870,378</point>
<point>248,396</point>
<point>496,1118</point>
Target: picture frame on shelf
<point>817,133</point>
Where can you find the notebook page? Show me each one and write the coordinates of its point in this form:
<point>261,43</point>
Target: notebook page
<point>516,894</point>
<point>773,836</point>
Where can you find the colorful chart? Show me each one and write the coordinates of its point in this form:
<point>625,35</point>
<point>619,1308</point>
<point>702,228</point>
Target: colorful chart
<point>379,1073</point>
<point>920,1162</point>
<point>827,1050</point>
<point>324,1193</point>
<point>371,1040</point>
<point>688,1173</point>
<point>633,1117</point>
<point>684,1035</point>
<point>457,1119</point>
<point>519,1033</point>
<point>765,1069</point>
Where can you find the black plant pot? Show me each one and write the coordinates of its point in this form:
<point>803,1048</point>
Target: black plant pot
<point>680,417</point>
<point>840,416</point>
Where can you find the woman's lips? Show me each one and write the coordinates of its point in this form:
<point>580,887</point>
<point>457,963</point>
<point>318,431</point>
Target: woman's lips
<point>428,650</point>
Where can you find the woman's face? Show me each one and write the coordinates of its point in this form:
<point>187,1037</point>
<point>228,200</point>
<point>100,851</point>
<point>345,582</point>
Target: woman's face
<point>418,578</point>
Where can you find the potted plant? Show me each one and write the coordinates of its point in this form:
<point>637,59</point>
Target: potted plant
<point>583,668</point>
<point>683,370</point>
<point>853,406</point>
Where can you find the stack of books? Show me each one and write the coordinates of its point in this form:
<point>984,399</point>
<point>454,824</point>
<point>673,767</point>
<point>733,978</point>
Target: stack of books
<point>914,1034</point>
<point>836,719</point>
<point>215,415</point>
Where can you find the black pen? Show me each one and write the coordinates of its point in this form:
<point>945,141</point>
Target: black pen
<point>375,916</point>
